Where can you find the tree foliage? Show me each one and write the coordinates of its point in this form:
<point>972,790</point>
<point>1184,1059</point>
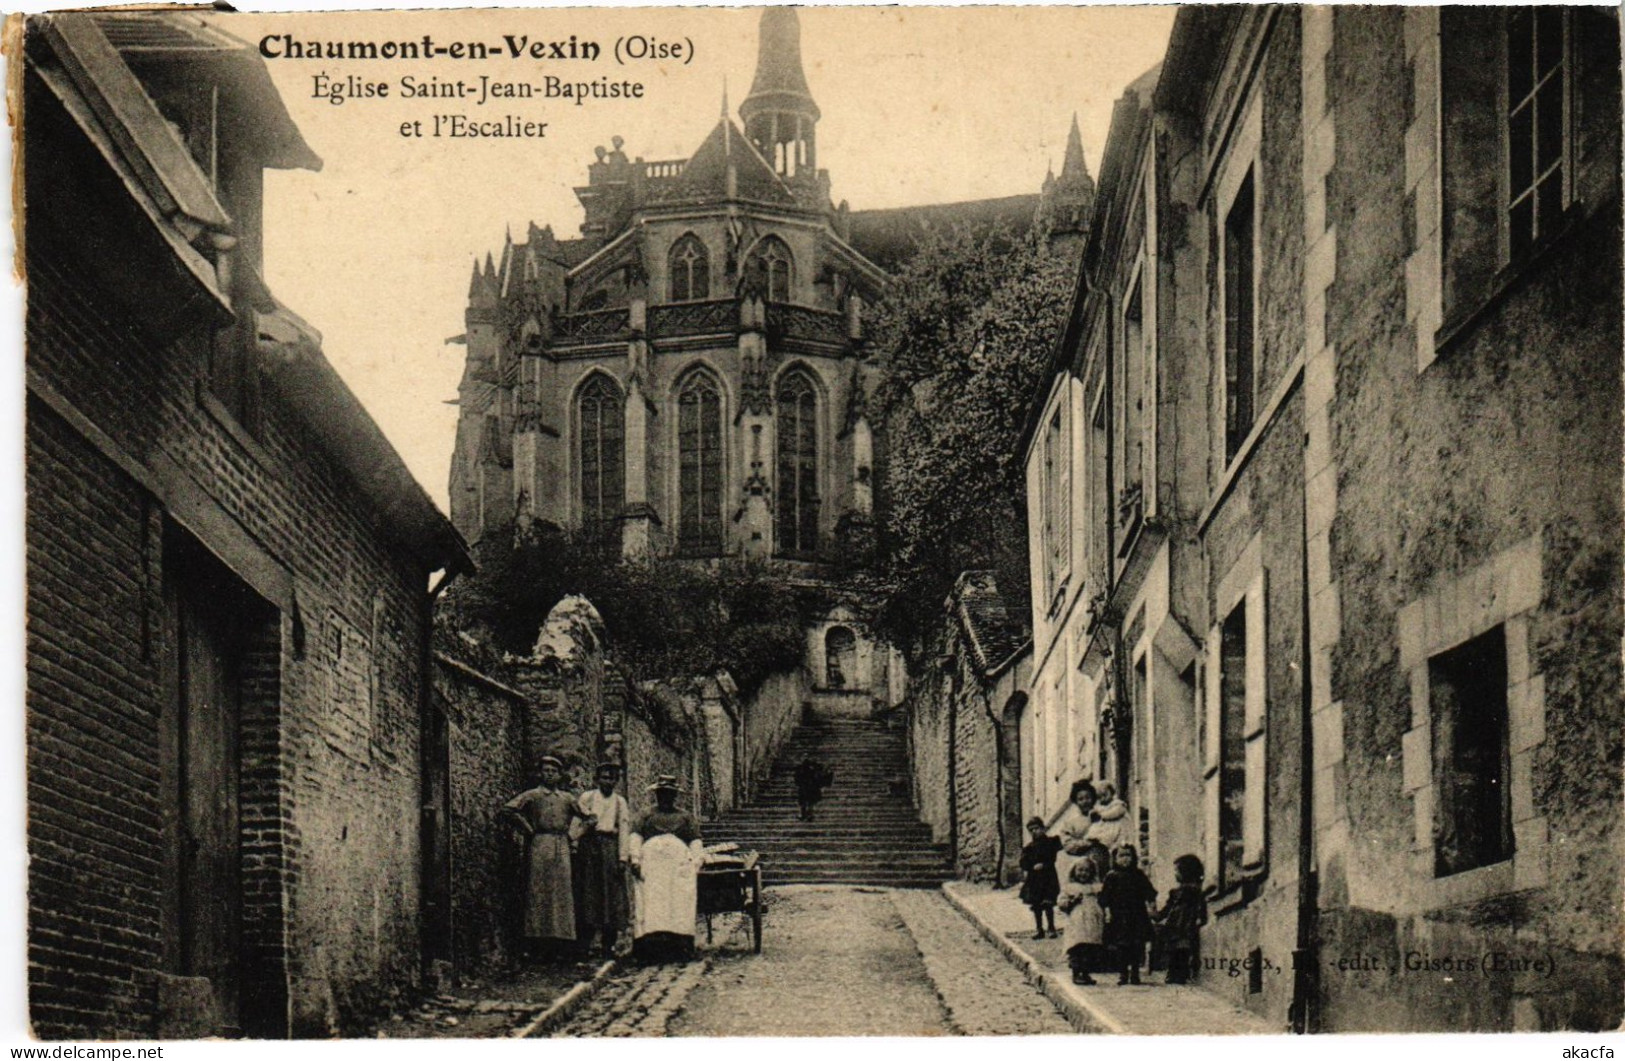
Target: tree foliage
<point>964,335</point>
<point>663,619</point>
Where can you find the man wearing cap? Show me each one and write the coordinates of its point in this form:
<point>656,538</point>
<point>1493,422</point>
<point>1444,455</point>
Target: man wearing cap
<point>600,859</point>
<point>543,816</point>
<point>666,854</point>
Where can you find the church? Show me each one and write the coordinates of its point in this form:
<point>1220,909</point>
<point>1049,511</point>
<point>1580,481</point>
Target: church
<point>688,377</point>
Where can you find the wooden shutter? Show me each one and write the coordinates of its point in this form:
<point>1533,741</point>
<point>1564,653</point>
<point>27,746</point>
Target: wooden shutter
<point>1255,734</point>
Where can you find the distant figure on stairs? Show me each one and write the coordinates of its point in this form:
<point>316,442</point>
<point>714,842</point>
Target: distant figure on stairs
<point>812,777</point>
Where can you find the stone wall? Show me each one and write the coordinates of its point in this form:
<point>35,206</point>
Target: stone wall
<point>486,721</point>
<point>964,758</point>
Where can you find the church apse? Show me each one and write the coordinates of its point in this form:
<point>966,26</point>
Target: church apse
<point>735,259</point>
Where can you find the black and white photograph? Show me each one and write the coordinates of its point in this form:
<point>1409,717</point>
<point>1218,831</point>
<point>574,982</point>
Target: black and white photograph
<point>775,522</point>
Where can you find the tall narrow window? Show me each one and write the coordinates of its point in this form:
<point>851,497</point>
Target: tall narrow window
<point>1239,353</point>
<point>1232,745</point>
<point>699,461</point>
<point>797,495</point>
<point>1536,135</point>
<point>690,270</point>
<point>601,414</point>
<point>1131,504</point>
<point>1467,692</point>
<point>771,262</point>
<point>1099,495</point>
<point>1055,507</point>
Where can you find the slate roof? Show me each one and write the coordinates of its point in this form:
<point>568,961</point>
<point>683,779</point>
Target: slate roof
<point>890,237</point>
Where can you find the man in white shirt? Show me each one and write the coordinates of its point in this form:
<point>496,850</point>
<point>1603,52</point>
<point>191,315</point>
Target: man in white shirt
<point>600,860</point>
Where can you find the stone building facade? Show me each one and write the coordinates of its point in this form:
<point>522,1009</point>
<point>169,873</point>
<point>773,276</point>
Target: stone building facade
<point>1341,397</point>
<point>228,574</point>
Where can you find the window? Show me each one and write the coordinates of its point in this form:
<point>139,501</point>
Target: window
<point>1131,503</point>
<point>770,264</point>
<point>1467,691</point>
<point>1099,496</point>
<point>1055,507</point>
<point>1232,744</point>
<point>1239,353</point>
<point>601,415</point>
<point>1505,136</point>
<point>595,301</point>
<point>797,495</point>
<point>690,270</point>
<point>1536,124</point>
<point>699,462</point>
<point>1235,730</point>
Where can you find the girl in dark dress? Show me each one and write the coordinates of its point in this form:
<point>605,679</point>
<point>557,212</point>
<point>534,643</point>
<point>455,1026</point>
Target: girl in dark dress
<point>1041,885</point>
<point>1182,918</point>
<point>1127,896</point>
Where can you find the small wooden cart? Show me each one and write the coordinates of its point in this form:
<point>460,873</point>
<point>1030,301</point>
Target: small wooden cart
<point>733,885</point>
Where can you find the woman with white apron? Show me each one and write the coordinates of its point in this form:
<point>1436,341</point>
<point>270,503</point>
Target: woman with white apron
<point>665,854</point>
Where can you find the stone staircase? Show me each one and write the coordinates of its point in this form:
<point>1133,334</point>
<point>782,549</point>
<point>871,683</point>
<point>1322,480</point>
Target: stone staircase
<point>862,833</point>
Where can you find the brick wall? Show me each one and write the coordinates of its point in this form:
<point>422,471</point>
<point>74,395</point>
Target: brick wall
<point>119,438</point>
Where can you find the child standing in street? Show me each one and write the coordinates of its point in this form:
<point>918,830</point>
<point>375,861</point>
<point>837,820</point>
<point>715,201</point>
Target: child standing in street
<point>1182,918</point>
<point>1127,896</point>
<point>1040,886</point>
<point>1080,899</point>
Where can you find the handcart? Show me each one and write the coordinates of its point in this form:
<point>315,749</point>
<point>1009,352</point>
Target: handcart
<point>732,883</point>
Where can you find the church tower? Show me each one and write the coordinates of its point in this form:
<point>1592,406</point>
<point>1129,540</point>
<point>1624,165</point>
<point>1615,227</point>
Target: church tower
<point>1068,201</point>
<point>780,116</point>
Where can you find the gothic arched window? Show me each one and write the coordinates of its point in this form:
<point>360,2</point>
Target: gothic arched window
<point>772,262</point>
<point>797,493</point>
<point>601,414</point>
<point>699,464</point>
<point>689,267</point>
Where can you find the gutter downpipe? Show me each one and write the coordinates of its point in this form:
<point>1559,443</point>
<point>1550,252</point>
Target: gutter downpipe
<point>1303,1013</point>
<point>434,815</point>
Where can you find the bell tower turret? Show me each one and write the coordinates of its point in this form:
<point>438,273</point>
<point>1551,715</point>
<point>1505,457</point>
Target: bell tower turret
<point>780,116</point>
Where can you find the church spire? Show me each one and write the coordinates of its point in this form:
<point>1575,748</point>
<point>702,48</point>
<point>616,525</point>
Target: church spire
<point>779,114</point>
<point>1073,168</point>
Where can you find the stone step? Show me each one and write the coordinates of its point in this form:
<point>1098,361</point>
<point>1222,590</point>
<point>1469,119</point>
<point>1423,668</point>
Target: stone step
<point>853,860</point>
<point>875,879</point>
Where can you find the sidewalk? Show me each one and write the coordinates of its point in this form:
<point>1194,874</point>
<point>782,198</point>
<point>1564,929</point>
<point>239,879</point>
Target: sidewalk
<point>1156,1009</point>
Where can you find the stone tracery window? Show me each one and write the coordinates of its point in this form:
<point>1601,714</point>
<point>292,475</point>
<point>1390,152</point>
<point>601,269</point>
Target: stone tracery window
<point>699,462</point>
<point>796,497</point>
<point>601,414</point>
<point>689,268</point>
<point>772,261</point>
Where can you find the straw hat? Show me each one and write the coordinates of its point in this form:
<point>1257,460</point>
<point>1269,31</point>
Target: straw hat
<point>666,783</point>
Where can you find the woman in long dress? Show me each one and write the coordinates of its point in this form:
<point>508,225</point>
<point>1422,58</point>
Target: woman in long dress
<point>543,815</point>
<point>666,855</point>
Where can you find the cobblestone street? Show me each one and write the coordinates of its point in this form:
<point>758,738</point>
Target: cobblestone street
<point>834,961</point>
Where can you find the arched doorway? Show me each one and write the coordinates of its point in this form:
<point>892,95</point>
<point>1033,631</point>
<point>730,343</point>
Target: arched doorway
<point>1011,827</point>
